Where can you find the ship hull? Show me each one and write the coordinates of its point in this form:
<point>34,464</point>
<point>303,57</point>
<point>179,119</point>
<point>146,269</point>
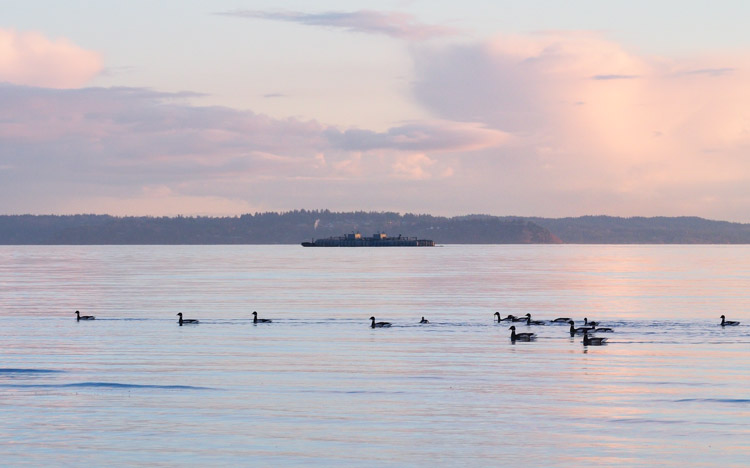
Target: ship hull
<point>375,241</point>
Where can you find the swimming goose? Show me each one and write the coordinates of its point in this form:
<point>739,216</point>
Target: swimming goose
<point>379,324</point>
<point>509,318</point>
<point>602,330</point>
<point>586,323</point>
<point>520,336</point>
<point>592,340</point>
<point>89,317</point>
<point>724,322</point>
<point>574,330</point>
<point>533,322</point>
<point>561,320</point>
<point>257,320</point>
<point>187,321</point>
<point>424,320</point>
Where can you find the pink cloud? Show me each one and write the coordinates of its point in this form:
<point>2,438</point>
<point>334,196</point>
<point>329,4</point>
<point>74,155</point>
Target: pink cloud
<point>29,58</point>
<point>439,136</point>
<point>61,147</point>
<point>418,166</point>
<point>592,120</point>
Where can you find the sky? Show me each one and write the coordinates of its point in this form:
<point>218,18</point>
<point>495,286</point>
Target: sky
<point>508,108</point>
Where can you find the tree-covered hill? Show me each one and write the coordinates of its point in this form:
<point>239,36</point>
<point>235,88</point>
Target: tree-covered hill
<point>294,227</point>
<point>290,227</point>
<point>640,230</point>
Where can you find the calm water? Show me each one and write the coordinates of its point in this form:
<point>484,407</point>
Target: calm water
<point>319,387</point>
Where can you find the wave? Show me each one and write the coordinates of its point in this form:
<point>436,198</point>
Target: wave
<point>107,385</point>
<point>673,422</point>
<point>713,400</point>
<point>354,392</point>
<point>28,371</point>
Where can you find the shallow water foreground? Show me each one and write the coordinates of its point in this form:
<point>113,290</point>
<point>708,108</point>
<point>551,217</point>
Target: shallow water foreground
<point>319,387</point>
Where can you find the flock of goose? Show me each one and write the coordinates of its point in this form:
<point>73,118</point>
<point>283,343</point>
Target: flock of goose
<point>588,327</point>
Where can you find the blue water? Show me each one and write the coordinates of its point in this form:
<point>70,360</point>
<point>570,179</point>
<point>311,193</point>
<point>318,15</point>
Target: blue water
<point>319,387</point>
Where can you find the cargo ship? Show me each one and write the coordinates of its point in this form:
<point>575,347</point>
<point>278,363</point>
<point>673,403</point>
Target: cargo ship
<point>376,240</point>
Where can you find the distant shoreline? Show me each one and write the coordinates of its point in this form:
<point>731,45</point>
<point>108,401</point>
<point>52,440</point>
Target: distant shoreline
<point>297,226</point>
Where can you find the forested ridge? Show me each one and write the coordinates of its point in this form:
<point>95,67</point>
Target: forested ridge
<point>293,227</point>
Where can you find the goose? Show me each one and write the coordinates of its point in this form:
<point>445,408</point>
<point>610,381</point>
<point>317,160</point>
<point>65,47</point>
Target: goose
<point>602,330</point>
<point>574,330</point>
<point>509,318</point>
<point>520,336</point>
<point>424,320</point>
<point>183,321</point>
<point>724,322</point>
<point>379,324</point>
<point>593,340</point>
<point>91,317</point>
<point>561,320</point>
<point>533,322</point>
<point>257,320</point>
<point>586,323</point>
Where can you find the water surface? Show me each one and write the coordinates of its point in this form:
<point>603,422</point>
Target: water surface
<point>319,387</point>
